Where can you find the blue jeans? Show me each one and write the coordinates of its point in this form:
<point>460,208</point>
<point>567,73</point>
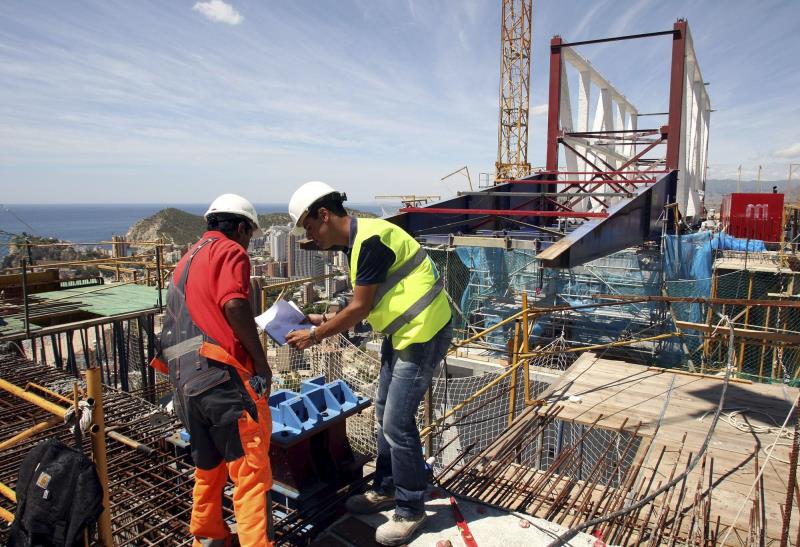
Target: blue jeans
<point>406,375</point>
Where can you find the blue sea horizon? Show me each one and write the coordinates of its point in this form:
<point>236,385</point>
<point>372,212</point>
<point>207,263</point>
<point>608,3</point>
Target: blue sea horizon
<point>91,223</point>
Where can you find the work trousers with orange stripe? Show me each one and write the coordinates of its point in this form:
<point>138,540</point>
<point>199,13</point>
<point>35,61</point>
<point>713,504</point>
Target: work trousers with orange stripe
<point>230,430</point>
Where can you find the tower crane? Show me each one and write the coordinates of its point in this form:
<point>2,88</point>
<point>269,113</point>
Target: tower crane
<point>515,71</point>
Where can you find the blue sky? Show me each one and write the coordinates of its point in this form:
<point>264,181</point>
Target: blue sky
<point>178,101</point>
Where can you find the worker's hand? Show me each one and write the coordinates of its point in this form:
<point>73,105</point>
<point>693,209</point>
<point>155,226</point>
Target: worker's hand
<point>262,369</point>
<point>300,339</point>
<point>314,318</point>
<point>260,385</point>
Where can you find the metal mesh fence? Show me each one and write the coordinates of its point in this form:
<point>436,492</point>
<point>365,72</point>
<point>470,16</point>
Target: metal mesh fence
<point>466,432</point>
<point>336,358</point>
<point>485,287</point>
<point>775,360</point>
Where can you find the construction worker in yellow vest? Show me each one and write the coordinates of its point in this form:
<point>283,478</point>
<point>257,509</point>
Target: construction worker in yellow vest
<point>397,289</point>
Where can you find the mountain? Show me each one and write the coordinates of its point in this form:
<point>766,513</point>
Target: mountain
<point>175,226</point>
<point>181,228</point>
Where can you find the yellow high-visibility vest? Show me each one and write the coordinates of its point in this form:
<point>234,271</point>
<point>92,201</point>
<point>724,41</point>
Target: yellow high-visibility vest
<point>411,305</point>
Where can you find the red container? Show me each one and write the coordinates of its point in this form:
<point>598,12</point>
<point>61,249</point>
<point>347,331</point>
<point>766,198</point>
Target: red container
<point>753,216</point>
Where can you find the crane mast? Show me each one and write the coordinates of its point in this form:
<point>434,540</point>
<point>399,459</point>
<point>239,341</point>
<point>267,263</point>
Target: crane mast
<point>515,71</point>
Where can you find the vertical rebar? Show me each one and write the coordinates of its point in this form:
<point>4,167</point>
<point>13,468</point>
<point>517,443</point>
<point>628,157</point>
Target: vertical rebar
<point>512,362</point>
<point>28,252</point>
<point>158,278</point>
<point>787,511</point>
<point>428,420</point>
<point>25,297</point>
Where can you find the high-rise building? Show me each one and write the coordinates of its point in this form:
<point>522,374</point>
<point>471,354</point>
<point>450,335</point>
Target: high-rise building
<point>291,254</point>
<point>275,269</point>
<point>302,263</point>
<point>276,242</point>
<point>329,283</point>
<point>308,293</point>
<point>340,261</point>
<point>309,263</point>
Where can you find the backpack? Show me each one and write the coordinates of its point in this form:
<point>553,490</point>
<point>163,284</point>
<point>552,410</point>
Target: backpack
<point>58,495</point>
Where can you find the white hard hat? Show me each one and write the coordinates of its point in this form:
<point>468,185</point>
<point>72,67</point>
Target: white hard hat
<point>236,205</point>
<point>303,198</point>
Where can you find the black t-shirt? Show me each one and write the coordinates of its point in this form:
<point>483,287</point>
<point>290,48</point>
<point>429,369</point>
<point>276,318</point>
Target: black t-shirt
<point>374,259</point>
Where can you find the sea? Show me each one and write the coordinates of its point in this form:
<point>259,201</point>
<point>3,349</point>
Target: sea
<point>91,223</point>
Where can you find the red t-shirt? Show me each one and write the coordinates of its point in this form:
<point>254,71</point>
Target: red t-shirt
<point>220,272</point>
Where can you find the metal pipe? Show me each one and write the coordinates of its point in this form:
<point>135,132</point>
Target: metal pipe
<point>787,511</point>
<point>618,38</point>
<point>750,303</point>
<point>42,403</point>
<point>602,346</point>
<point>95,391</point>
<point>428,418</point>
<point>30,432</point>
<point>512,361</point>
<point>483,333</point>
<point>7,492</point>
<point>37,387</point>
<point>127,441</point>
<point>6,515</point>
<point>159,281</point>
<point>56,329</point>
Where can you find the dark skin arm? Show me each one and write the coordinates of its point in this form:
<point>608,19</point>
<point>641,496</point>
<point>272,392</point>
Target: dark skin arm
<point>354,313</point>
<point>240,317</point>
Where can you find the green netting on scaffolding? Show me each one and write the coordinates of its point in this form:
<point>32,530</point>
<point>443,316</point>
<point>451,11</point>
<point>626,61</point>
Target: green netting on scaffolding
<point>456,279</point>
<point>766,361</point>
<point>484,284</point>
<point>634,271</point>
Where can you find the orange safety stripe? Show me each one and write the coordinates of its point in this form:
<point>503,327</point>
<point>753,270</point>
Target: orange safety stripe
<point>159,366</point>
<point>252,478</point>
<point>217,353</point>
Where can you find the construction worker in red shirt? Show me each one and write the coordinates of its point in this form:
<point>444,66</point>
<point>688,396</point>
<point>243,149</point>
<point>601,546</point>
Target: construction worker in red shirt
<point>215,361</point>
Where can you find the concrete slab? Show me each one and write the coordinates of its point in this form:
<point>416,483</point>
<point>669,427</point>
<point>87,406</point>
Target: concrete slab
<point>490,527</point>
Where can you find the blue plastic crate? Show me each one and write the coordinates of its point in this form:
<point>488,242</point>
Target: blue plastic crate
<point>296,415</point>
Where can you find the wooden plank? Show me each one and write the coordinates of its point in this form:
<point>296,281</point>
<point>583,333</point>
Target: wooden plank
<point>15,280</point>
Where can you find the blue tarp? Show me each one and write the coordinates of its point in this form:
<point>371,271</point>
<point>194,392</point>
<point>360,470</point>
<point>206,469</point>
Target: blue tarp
<point>724,242</point>
<point>688,263</point>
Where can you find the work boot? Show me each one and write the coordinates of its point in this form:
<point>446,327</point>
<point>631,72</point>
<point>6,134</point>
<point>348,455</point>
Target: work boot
<point>371,501</point>
<point>399,529</point>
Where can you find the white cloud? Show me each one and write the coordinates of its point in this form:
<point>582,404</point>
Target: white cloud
<point>219,12</point>
<point>539,110</point>
<point>790,152</point>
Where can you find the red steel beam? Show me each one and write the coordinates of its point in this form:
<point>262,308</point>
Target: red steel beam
<point>554,104</point>
<point>676,94</point>
<point>501,212</point>
<point>575,181</point>
<point>635,158</point>
<point>603,172</point>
